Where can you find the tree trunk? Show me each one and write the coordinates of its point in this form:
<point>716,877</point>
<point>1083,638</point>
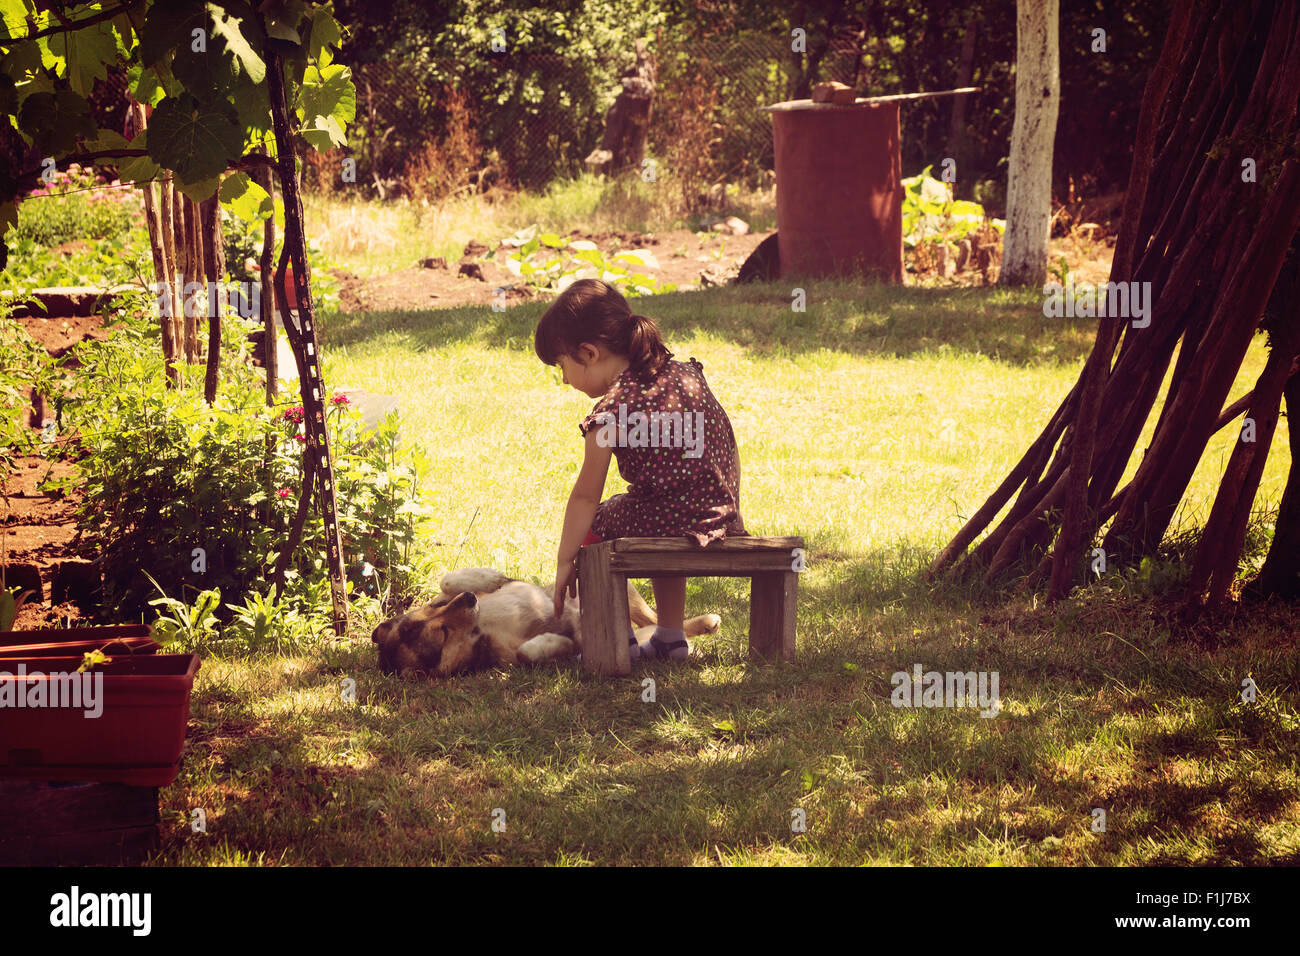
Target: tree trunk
<point>302,335</point>
<point>1029,178</point>
<point>1280,574</point>
<point>173,301</point>
<point>270,353</point>
<point>1206,243</point>
<point>628,119</point>
<point>159,237</point>
<point>957,131</point>
<point>214,269</point>
<point>197,304</point>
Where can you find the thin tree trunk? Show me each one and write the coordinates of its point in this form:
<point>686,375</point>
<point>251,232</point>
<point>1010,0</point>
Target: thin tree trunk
<point>153,209</point>
<point>1225,531</point>
<point>957,129</point>
<point>1280,574</point>
<point>173,300</point>
<point>193,279</point>
<point>1210,245</point>
<point>1029,179</point>
<point>302,336</point>
<point>270,352</point>
<point>214,268</point>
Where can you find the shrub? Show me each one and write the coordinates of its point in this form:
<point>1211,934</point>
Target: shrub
<point>75,205</point>
<point>202,497</point>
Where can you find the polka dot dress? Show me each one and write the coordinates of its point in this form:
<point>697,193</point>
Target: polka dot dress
<point>676,450</point>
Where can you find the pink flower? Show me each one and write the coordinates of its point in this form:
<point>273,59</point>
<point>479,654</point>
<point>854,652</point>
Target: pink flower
<point>284,492</point>
<point>340,399</point>
<point>301,438</point>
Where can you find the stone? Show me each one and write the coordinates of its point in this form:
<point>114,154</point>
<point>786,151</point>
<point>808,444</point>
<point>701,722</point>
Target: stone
<point>25,577</point>
<point>77,581</point>
<point>433,263</point>
<point>963,254</point>
<point>763,264</point>
<point>473,270</point>
<point>833,92</point>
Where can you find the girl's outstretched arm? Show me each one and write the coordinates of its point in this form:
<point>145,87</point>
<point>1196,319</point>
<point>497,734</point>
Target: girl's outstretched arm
<point>580,511</point>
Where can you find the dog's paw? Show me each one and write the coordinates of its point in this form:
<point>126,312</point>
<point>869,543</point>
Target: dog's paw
<point>544,647</point>
<point>477,580</point>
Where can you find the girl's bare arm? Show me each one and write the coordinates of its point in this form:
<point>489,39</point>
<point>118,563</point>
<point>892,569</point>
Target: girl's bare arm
<point>583,499</point>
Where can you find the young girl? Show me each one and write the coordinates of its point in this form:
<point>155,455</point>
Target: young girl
<point>673,442</point>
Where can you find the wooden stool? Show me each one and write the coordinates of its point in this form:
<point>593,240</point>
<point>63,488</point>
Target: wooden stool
<point>603,570</point>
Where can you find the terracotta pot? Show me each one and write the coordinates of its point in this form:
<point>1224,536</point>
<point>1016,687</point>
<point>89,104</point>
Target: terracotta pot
<point>52,635</point>
<point>113,639</point>
<point>137,738</point>
<point>117,646</point>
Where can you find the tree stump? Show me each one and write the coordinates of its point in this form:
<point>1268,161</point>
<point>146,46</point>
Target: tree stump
<point>627,120</point>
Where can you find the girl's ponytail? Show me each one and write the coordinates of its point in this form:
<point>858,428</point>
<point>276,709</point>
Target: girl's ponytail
<point>646,352</point>
<point>590,310</point>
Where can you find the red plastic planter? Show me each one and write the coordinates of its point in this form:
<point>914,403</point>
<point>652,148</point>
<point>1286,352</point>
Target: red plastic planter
<point>112,639</point>
<point>120,646</point>
<point>97,635</point>
<point>137,739</point>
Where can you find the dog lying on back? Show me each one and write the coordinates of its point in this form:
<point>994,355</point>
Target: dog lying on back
<point>484,619</point>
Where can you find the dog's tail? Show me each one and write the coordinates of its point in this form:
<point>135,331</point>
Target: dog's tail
<point>475,580</point>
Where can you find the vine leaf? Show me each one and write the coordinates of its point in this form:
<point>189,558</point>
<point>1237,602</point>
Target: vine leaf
<point>144,85</point>
<point>324,34</point>
<point>245,198</point>
<point>228,28</point>
<point>82,55</point>
<point>56,119</point>
<point>169,26</point>
<point>327,103</point>
<point>135,169</point>
<point>196,140</point>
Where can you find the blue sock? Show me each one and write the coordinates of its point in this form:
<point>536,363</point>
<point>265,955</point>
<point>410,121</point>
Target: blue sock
<point>667,645</point>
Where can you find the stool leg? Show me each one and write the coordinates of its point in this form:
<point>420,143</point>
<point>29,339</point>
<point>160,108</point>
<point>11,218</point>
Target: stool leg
<point>602,599</point>
<point>773,599</point>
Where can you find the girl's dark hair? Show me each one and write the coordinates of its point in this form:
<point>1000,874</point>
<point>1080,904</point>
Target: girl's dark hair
<point>593,311</point>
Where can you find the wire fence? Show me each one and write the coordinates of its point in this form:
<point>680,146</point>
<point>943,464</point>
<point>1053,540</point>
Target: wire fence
<point>537,115</point>
<point>544,112</point>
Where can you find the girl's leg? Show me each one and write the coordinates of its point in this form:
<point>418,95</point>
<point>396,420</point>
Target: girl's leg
<point>670,602</point>
<point>669,640</point>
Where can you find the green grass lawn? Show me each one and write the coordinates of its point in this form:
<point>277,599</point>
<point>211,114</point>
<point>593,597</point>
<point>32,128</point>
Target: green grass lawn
<point>872,424</point>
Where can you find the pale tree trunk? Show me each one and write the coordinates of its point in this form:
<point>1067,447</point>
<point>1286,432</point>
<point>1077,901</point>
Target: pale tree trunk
<point>214,268</point>
<point>1029,180</point>
<point>171,321</point>
<point>957,132</point>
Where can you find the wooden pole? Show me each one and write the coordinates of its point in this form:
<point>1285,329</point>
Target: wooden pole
<point>302,334</point>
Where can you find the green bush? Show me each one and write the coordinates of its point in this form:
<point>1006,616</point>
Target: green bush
<point>930,214</point>
<point>179,490</point>
<point>75,205</point>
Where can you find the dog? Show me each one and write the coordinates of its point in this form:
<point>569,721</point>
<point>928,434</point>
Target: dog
<point>484,619</point>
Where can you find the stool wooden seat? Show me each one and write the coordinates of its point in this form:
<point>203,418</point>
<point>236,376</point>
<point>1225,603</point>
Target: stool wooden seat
<point>603,570</point>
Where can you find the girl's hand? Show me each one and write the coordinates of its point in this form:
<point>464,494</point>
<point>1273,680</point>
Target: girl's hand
<point>566,580</point>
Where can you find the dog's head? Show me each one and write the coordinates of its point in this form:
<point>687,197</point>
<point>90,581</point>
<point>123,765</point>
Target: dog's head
<point>440,639</point>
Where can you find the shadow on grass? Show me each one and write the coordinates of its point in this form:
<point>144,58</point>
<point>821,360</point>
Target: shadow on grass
<point>717,764</point>
<point>868,319</point>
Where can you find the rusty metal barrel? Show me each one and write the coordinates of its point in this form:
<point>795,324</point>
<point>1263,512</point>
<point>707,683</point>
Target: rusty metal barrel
<point>839,186</point>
